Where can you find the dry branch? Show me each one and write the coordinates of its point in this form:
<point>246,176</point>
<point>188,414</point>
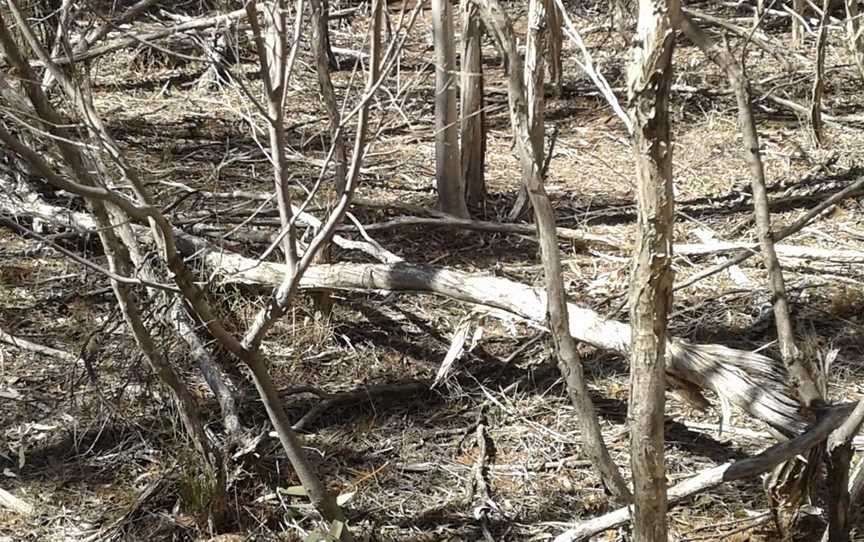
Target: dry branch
<point>37,348</point>
<point>752,382</point>
<point>11,502</point>
<point>738,470</point>
<point>132,40</point>
<point>853,189</point>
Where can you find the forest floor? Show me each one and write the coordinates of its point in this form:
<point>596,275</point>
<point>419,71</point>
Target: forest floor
<point>84,444</point>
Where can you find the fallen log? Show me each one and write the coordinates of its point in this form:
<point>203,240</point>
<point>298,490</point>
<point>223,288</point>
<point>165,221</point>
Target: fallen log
<point>754,383</point>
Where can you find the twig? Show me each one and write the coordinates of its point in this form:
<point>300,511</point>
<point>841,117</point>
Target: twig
<point>38,348</point>
<point>482,225</point>
<point>784,232</point>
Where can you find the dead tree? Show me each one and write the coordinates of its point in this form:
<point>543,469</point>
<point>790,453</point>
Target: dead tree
<point>855,35</point>
<point>819,76</point>
<point>650,78</point>
<point>328,95</point>
<point>498,23</point>
<point>554,45</point>
<point>473,120</point>
<point>539,42</point>
<point>799,25</point>
<point>789,482</point>
<point>115,233</point>
<point>448,171</point>
<point>620,17</point>
<point>320,52</point>
<point>535,48</point>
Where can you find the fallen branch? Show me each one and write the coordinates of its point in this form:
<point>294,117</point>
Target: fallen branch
<point>752,382</point>
<point>10,501</point>
<point>783,251</point>
<point>738,470</point>
<point>853,189</point>
<point>482,225</point>
<point>38,348</point>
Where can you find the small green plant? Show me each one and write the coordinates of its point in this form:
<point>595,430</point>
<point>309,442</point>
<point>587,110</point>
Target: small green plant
<point>197,486</point>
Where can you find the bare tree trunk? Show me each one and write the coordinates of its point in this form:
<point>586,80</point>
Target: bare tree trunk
<point>328,47</point>
<point>855,35</point>
<point>535,47</point>
<point>802,375</point>
<point>789,482</point>
<point>538,17</point>
<point>819,77</point>
<point>650,78</point>
<point>554,44</point>
<point>840,491</point>
<point>328,95</point>
<point>497,21</point>
<point>798,30</point>
<point>473,137</point>
<point>448,171</point>
<point>321,52</point>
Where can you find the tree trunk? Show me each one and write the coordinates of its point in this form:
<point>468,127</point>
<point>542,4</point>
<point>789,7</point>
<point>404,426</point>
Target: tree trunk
<point>473,117</point>
<point>650,78</point>
<point>819,76</point>
<point>497,21</point>
<point>554,44</point>
<point>789,482</point>
<point>328,95</point>
<point>798,30</point>
<point>854,35</point>
<point>535,47</point>
<point>620,8</point>
<point>448,171</point>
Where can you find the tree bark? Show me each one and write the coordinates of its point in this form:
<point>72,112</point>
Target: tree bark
<point>448,171</point>
<point>554,44</point>
<point>650,78</point>
<point>855,35</point>
<point>798,30</point>
<point>838,459</point>
<point>328,95</point>
<point>473,136</point>
<point>819,76</point>
<point>534,76</point>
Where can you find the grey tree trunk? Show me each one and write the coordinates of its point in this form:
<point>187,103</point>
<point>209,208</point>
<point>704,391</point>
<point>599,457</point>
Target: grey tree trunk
<point>798,30</point>
<point>498,23</point>
<point>854,35</point>
<point>473,120</point>
<point>320,49</point>
<point>650,78</point>
<point>448,172</point>
<point>554,44</point>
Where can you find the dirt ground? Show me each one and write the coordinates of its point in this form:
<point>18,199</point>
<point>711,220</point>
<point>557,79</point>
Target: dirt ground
<point>100,453</point>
